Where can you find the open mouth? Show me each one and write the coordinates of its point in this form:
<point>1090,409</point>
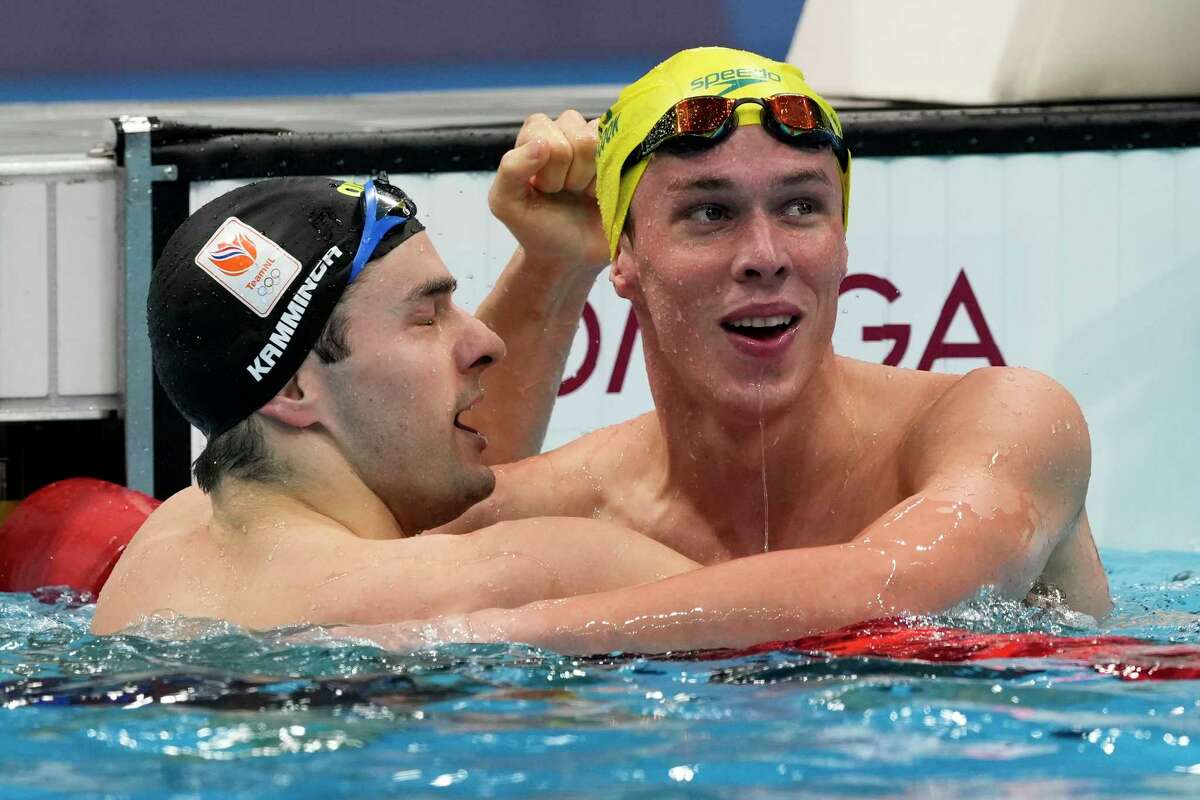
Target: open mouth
<point>762,327</point>
<point>458,423</point>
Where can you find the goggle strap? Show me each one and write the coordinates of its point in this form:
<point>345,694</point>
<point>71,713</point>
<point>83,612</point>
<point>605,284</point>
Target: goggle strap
<point>367,245</point>
<point>374,229</point>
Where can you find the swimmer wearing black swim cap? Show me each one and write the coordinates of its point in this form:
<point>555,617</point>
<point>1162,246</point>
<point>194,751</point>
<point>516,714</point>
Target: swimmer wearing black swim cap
<point>246,285</point>
<point>307,326</point>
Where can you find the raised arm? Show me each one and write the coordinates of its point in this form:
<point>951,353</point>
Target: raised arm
<point>544,192</point>
<point>993,492</point>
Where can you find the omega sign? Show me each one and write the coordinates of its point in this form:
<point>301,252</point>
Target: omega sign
<point>961,296</point>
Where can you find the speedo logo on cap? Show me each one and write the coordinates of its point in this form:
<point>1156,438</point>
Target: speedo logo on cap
<point>610,124</point>
<point>253,268</point>
<point>285,328</point>
<point>734,79</point>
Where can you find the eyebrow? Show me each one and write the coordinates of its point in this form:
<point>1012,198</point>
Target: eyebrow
<point>704,183</point>
<point>432,288</point>
<point>716,183</point>
<point>803,176</point>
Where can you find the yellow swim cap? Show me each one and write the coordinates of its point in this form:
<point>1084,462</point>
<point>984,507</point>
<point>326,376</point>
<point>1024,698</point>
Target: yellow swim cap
<point>690,73</point>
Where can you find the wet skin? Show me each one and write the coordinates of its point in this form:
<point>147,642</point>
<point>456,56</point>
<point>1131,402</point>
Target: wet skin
<point>379,446</point>
<point>876,489</point>
<point>410,343</point>
<point>373,452</point>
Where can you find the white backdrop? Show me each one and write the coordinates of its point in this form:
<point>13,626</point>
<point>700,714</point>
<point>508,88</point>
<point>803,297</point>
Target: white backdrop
<point>1083,265</point>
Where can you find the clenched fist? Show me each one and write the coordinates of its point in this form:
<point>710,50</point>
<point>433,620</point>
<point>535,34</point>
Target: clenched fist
<point>545,192</point>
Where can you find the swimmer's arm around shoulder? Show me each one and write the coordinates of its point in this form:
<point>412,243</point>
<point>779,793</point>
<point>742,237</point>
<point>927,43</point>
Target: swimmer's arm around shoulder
<point>970,522</point>
<point>544,193</point>
<point>502,566</point>
<point>585,555</point>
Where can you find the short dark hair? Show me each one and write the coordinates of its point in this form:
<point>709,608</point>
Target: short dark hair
<point>333,345</point>
<point>242,451</point>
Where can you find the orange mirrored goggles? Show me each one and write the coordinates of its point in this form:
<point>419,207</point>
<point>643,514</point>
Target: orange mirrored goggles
<point>792,118</point>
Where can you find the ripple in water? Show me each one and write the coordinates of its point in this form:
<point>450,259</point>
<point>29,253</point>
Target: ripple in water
<point>154,711</point>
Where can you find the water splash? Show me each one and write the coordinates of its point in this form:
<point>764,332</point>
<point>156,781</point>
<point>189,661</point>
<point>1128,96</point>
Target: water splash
<point>988,612</point>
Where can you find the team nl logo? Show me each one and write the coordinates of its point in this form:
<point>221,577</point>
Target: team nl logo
<point>253,268</point>
<point>236,257</point>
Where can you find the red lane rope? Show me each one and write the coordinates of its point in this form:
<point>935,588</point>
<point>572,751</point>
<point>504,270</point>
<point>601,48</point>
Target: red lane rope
<point>1123,657</point>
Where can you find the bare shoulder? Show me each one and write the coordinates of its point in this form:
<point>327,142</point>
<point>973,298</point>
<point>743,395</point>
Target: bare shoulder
<point>605,449</point>
<point>155,548</point>
<point>899,394</point>
<point>186,509</point>
<point>1006,399</point>
<point>570,481</point>
<point>182,514</point>
<point>1003,419</point>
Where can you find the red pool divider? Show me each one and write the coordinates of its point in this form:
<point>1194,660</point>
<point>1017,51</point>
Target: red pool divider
<point>69,533</point>
<point>1123,657</point>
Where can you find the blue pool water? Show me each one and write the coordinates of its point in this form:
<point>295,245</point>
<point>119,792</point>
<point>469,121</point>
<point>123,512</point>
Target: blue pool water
<point>291,714</point>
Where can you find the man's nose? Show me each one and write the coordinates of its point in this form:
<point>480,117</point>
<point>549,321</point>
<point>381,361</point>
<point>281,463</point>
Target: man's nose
<point>480,347</point>
<point>761,255</point>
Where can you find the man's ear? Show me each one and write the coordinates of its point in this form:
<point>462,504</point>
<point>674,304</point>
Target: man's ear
<point>623,273</point>
<point>293,406</point>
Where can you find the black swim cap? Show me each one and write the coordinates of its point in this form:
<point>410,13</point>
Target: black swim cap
<point>244,288</point>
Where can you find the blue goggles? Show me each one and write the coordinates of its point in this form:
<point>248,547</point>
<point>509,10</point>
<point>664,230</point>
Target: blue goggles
<point>384,207</point>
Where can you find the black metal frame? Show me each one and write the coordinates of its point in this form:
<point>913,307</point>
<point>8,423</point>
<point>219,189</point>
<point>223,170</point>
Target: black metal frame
<point>201,153</point>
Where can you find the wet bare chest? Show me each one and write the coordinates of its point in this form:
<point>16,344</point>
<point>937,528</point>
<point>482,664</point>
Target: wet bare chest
<point>834,514</point>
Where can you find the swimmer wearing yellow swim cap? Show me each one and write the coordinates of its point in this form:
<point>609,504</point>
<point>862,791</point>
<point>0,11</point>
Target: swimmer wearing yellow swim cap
<point>655,109</point>
<point>818,490</point>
